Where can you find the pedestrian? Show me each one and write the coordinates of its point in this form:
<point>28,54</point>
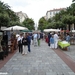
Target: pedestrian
<point>49,36</point>
<point>38,39</point>
<point>32,39</point>
<point>46,39</point>
<point>19,41</point>
<point>56,37</point>
<point>25,44</point>
<point>52,41</point>
<point>29,42</point>
<point>67,37</point>
<point>35,38</point>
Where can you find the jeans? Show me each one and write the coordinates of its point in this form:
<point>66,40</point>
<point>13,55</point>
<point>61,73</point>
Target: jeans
<point>29,47</point>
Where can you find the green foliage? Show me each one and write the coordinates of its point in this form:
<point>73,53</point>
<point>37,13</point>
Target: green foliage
<point>7,16</point>
<point>29,23</point>
<point>73,0</point>
<point>60,20</point>
<point>49,20</point>
<point>4,20</point>
<point>67,19</point>
<point>71,9</point>
<point>74,19</point>
<point>42,24</point>
<point>54,22</point>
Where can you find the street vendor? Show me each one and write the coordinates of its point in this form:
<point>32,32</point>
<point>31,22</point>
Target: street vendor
<point>67,37</point>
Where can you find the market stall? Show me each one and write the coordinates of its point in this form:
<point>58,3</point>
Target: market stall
<point>1,50</point>
<point>63,45</point>
<point>51,30</point>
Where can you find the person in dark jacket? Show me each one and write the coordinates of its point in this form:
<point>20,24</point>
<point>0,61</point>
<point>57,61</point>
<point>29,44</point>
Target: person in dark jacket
<point>49,36</point>
<point>24,44</point>
<point>29,42</point>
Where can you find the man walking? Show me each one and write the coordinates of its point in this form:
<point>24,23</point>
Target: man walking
<point>29,42</point>
<point>56,37</point>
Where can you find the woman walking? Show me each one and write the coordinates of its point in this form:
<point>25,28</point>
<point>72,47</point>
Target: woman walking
<point>24,44</point>
<point>19,40</point>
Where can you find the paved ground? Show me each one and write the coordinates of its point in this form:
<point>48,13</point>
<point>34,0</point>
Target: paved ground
<point>71,52</point>
<point>41,61</point>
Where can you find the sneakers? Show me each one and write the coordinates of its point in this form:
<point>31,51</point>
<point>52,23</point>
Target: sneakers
<point>24,54</point>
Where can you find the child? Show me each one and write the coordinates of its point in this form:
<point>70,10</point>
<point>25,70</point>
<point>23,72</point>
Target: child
<point>52,41</point>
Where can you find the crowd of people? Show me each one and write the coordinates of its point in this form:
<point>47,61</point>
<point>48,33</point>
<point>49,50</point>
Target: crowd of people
<point>53,38</point>
<point>24,41</point>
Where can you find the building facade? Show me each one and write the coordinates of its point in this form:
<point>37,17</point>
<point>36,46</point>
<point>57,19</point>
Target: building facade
<point>52,13</point>
<point>22,16</point>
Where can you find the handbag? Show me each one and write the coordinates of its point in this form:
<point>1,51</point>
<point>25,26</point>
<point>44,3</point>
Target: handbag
<point>19,42</point>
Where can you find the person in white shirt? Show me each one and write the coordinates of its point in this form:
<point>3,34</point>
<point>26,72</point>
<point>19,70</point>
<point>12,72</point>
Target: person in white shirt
<point>19,41</point>
<point>56,37</point>
<point>35,39</point>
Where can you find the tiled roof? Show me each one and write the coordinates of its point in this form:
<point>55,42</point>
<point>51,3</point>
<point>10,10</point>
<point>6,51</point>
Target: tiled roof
<point>56,9</point>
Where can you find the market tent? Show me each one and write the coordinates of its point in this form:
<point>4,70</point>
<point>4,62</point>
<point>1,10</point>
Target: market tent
<point>26,30</point>
<point>73,30</point>
<point>67,31</point>
<point>15,28</point>
<point>51,30</point>
<point>36,31</point>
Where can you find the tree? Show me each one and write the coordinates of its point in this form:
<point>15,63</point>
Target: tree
<point>71,9</point>
<point>56,17</point>
<point>29,23</point>
<point>73,0</point>
<point>4,20</point>
<point>61,19</point>
<point>57,20</point>
<point>49,20</point>
<point>42,24</point>
<point>13,18</point>
<point>7,16</point>
<point>68,19</point>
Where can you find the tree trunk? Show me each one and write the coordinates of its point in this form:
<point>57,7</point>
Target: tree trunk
<point>74,26</point>
<point>69,27</point>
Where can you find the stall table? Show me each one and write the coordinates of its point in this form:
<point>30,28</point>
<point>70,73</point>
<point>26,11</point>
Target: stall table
<point>63,45</point>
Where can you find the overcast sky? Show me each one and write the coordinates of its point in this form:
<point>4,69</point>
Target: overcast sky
<point>35,9</point>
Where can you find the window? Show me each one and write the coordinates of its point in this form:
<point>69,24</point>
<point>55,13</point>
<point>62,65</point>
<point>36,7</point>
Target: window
<point>50,13</point>
<point>54,13</point>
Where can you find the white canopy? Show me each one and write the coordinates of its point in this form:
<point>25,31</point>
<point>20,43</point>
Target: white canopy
<point>16,28</point>
<point>51,30</point>
<point>73,30</point>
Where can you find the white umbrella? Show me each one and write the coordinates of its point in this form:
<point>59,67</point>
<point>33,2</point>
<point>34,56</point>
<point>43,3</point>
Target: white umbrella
<point>51,30</point>
<point>73,30</point>
<point>16,28</point>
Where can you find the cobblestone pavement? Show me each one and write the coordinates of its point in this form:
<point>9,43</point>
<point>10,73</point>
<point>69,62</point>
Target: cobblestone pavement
<point>40,61</point>
<point>71,52</point>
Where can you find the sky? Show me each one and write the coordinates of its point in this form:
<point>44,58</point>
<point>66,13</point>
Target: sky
<point>36,9</point>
